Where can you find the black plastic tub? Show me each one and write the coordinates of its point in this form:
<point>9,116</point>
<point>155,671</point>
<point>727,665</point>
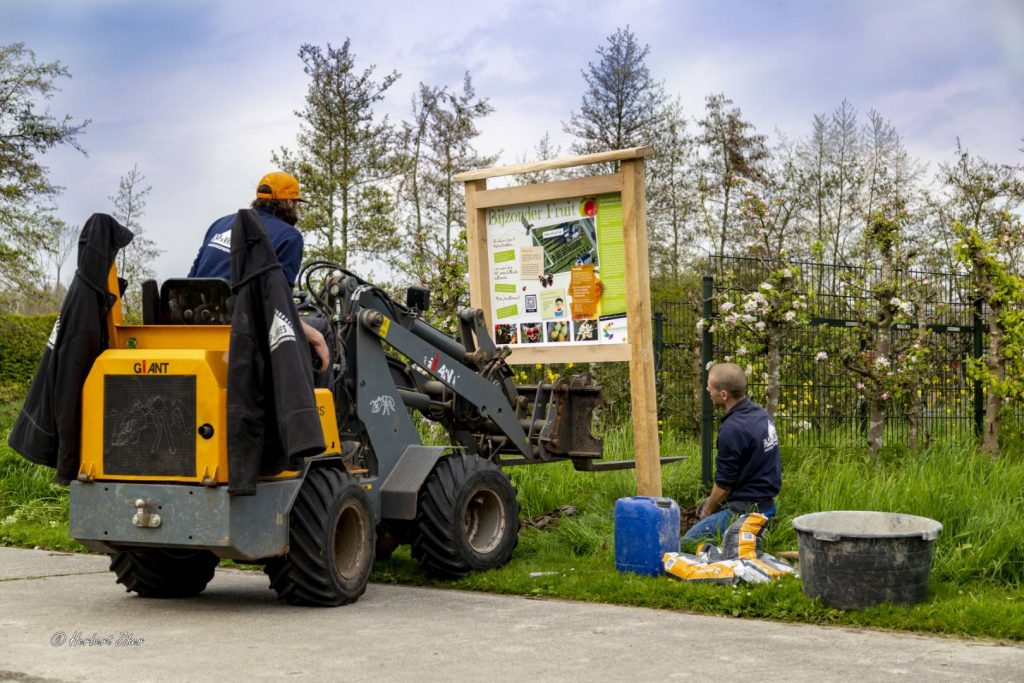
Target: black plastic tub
<point>855,559</point>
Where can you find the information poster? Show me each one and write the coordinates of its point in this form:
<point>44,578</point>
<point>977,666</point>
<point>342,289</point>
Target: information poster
<point>558,272</point>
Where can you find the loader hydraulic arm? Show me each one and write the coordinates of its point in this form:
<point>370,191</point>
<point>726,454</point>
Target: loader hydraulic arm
<point>464,384</point>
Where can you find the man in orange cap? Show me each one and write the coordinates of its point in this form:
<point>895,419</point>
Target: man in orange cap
<point>277,203</point>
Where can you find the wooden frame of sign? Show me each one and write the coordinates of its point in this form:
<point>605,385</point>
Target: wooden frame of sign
<point>638,350</point>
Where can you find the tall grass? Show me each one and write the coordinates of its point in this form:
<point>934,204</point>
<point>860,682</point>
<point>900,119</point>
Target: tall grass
<point>590,533</point>
<point>33,510</point>
<point>979,500</point>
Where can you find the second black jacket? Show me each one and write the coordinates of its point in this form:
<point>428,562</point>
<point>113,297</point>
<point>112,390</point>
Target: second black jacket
<point>273,421</point>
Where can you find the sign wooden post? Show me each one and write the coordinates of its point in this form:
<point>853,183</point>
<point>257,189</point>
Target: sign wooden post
<point>558,229</point>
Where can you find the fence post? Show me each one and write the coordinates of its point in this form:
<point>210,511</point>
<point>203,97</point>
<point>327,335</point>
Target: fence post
<point>862,346</point>
<point>706,409</point>
<point>979,395</point>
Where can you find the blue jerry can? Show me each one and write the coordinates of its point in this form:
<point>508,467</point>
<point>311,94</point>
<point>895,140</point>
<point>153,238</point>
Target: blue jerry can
<point>645,529</point>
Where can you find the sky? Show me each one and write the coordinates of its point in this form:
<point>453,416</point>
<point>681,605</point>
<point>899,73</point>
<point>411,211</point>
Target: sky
<point>198,94</point>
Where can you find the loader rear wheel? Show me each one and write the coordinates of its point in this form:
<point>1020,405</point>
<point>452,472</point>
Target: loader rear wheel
<point>164,572</point>
<point>331,543</point>
<point>467,518</point>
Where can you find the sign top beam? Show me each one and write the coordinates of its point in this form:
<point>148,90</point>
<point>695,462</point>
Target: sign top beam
<point>551,164</point>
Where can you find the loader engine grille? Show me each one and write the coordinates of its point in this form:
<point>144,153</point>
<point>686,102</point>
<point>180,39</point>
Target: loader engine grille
<point>149,425</point>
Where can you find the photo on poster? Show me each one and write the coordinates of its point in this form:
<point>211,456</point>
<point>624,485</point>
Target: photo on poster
<point>506,334</point>
<point>558,331</point>
<point>585,330</point>
<point>531,303</point>
<point>552,304</point>
<point>531,333</point>
<point>567,244</point>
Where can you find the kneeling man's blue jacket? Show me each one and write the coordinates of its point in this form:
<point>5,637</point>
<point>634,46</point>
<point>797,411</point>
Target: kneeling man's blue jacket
<point>748,463</point>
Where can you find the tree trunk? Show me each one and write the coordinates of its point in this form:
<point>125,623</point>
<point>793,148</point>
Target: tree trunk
<point>878,406</point>
<point>914,414</point>
<point>774,370</point>
<point>916,410</point>
<point>344,230</point>
<point>883,349</point>
<point>448,218</point>
<point>331,222</point>
<point>698,387</point>
<point>676,237</point>
<point>996,365</point>
<point>725,220</point>
<point>914,419</point>
<point>876,425</point>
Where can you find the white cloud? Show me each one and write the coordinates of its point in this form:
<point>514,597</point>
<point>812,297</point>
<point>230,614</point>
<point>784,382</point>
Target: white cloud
<point>201,108</point>
<point>976,105</point>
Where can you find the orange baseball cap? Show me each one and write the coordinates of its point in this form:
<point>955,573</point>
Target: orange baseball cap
<point>278,185</point>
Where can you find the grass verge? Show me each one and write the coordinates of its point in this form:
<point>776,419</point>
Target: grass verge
<point>977,579</point>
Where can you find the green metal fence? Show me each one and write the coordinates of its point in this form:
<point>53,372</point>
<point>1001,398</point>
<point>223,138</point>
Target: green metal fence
<point>818,405</point>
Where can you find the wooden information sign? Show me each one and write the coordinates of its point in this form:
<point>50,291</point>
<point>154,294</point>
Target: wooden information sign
<point>561,272</point>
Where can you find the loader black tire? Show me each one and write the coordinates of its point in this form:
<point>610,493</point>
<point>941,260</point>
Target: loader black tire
<point>467,518</point>
<point>331,543</point>
<point>164,572</point>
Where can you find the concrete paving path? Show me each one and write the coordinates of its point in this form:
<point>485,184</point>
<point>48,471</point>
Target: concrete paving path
<point>52,605</point>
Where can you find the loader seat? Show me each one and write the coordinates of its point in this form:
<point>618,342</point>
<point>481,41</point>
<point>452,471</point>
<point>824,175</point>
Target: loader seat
<point>187,301</point>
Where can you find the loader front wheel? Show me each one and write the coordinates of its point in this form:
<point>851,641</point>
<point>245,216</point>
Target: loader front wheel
<point>163,572</point>
<point>467,518</point>
<point>331,543</point>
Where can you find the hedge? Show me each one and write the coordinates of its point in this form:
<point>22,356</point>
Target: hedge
<point>22,340</point>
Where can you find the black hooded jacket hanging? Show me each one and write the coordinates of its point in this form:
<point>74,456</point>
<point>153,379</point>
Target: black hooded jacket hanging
<point>48,429</point>
<point>273,421</point>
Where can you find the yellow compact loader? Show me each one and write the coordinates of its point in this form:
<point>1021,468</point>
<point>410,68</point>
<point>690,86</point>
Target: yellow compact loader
<point>152,487</point>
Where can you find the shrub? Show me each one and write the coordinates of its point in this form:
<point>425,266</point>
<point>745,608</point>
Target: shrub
<point>24,338</point>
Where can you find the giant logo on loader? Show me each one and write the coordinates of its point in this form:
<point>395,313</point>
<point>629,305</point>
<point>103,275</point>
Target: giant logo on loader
<point>145,367</point>
<point>443,372</point>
